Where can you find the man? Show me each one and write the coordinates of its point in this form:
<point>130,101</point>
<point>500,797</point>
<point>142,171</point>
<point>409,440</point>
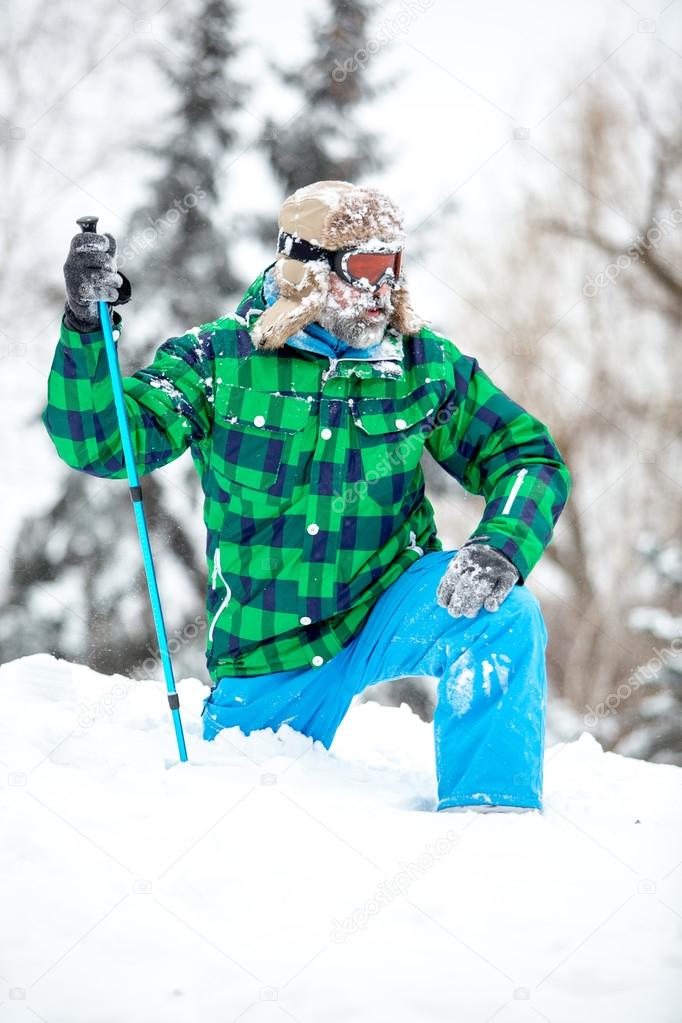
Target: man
<point>306,414</point>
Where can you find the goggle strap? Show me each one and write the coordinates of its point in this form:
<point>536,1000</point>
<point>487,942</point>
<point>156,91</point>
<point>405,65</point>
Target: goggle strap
<point>300,249</point>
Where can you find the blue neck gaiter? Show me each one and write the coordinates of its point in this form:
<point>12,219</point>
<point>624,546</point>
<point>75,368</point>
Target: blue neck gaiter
<point>327,344</point>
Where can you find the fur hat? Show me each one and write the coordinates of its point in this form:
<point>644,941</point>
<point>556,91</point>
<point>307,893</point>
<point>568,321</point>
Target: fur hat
<point>332,215</point>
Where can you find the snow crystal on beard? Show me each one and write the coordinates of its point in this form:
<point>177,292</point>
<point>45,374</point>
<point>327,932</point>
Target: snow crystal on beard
<point>349,322</point>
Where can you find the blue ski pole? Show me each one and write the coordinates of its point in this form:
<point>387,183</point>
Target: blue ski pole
<point>89,224</point>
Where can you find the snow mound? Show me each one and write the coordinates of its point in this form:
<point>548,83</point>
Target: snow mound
<point>270,879</point>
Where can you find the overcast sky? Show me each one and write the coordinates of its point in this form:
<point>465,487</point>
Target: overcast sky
<point>470,74</point>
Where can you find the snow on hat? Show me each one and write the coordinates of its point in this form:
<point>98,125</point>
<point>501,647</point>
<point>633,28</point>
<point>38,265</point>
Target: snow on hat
<point>332,215</point>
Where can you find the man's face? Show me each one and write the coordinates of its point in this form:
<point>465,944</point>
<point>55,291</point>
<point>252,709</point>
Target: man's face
<point>354,315</point>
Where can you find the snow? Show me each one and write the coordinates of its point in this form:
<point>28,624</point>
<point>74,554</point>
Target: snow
<point>459,685</point>
<point>656,620</point>
<point>271,879</point>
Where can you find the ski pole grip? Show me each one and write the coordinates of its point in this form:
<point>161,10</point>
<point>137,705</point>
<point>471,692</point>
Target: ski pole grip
<point>88,224</point>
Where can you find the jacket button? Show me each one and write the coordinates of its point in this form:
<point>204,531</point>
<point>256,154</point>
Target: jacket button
<point>116,334</point>
<point>259,421</point>
<point>326,433</point>
<point>317,660</point>
<point>313,528</point>
<point>400,424</point>
<point>304,620</point>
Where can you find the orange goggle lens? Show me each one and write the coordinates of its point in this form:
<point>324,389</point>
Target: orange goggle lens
<point>373,265</point>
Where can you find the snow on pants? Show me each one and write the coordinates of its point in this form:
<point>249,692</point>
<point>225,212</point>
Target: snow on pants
<point>489,716</point>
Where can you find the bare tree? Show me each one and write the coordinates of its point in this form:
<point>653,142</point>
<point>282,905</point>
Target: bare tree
<point>588,293</point>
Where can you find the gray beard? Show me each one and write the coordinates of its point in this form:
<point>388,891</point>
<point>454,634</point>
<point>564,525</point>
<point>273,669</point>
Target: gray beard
<point>357,332</point>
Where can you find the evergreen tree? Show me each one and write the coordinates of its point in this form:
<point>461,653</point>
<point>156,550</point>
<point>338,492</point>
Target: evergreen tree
<point>186,264</point>
<point>325,141</point>
<point>646,710</point>
<point>77,585</point>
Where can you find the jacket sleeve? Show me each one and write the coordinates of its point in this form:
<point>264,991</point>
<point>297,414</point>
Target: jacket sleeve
<point>168,402</point>
<point>495,448</point>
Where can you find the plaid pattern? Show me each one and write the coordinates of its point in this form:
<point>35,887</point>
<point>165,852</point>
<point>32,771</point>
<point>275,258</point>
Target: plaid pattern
<point>314,493</point>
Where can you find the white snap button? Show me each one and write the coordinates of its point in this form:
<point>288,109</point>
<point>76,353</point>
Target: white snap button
<point>313,528</point>
<point>427,380</point>
<point>259,421</point>
<point>317,660</point>
<point>400,424</point>
<point>326,433</point>
<point>117,334</point>
<point>304,620</point>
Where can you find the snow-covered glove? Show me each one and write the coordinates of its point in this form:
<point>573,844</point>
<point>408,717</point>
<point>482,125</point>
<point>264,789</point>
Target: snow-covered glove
<point>90,275</point>
<point>478,576</point>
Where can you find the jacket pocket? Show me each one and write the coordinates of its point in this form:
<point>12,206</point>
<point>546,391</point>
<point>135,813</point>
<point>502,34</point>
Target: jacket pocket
<point>390,435</point>
<point>257,440</point>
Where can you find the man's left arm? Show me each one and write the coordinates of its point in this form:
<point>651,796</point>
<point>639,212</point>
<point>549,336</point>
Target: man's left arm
<point>495,448</point>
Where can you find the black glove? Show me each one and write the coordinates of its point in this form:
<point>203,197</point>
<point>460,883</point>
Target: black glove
<point>478,576</point>
<point>90,276</point>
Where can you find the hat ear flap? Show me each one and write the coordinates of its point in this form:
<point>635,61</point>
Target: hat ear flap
<point>302,295</point>
<point>403,317</point>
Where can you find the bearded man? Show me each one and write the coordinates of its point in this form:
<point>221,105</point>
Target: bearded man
<point>306,414</point>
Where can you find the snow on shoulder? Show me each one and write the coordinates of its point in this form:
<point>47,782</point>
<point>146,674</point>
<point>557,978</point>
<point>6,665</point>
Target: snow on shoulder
<point>272,878</point>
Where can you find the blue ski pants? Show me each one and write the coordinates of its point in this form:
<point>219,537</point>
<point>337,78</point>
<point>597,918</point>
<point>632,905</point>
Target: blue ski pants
<point>490,712</point>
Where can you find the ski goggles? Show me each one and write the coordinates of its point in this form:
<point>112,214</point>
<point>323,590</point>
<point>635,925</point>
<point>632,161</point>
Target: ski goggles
<point>357,266</point>
<point>368,269</point>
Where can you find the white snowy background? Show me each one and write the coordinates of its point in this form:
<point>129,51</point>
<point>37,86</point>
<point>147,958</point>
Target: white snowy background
<point>269,879</point>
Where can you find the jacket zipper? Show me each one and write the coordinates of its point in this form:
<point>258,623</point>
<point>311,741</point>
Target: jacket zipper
<point>217,574</point>
<point>514,491</point>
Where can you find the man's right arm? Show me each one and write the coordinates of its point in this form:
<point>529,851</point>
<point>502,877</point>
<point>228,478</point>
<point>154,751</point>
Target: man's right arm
<point>168,402</point>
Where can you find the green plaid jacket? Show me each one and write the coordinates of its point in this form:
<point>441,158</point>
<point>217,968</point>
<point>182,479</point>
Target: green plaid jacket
<point>310,467</point>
